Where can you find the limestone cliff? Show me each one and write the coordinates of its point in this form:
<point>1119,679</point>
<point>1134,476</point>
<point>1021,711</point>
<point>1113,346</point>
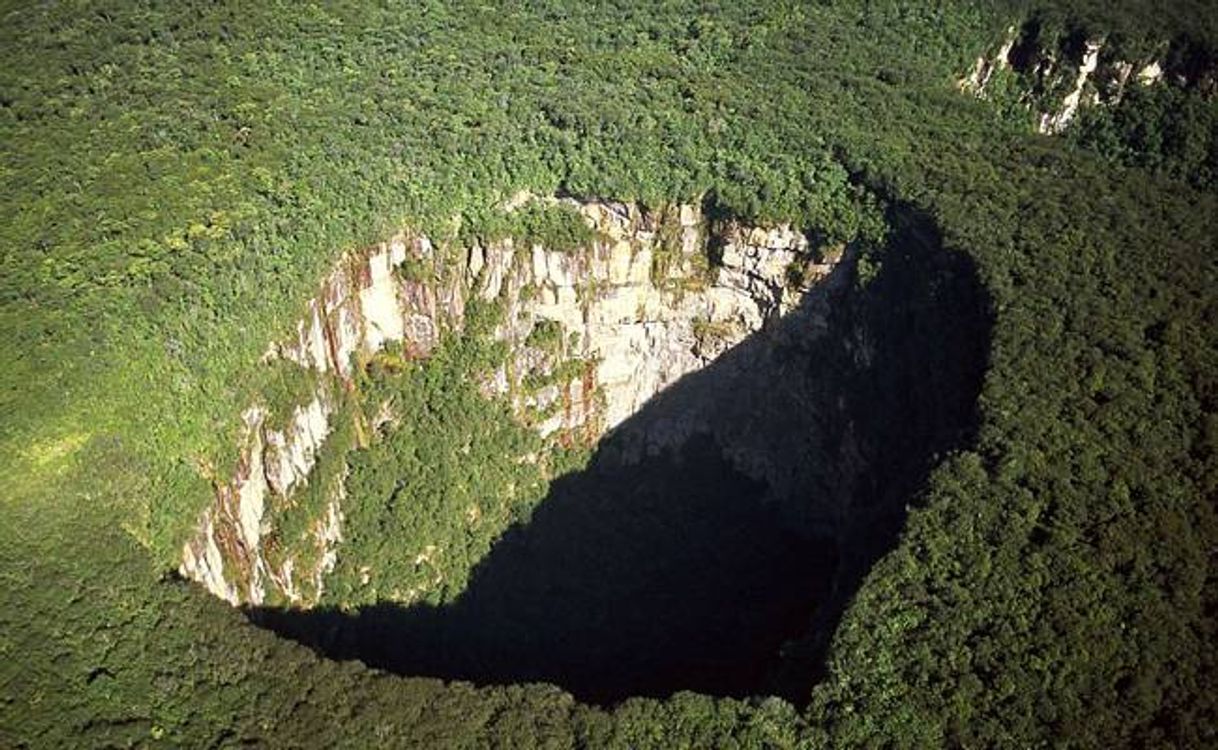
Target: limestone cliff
<point>657,295</point>
<point>1056,75</point>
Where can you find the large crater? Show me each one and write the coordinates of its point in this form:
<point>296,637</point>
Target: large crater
<point>717,534</point>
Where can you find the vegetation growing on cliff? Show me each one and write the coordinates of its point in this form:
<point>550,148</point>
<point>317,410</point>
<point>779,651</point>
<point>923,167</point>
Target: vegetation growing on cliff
<point>176,178</point>
<point>448,473</point>
<point>1149,103</point>
<point>556,226</point>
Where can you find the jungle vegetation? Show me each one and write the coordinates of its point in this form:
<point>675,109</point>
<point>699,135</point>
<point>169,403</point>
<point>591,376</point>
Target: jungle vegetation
<point>176,178</point>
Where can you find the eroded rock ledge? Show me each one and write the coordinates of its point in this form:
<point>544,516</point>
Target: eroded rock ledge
<point>639,307</point>
<point>1057,76</point>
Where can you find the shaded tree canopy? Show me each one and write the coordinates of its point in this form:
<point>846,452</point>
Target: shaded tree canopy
<point>175,178</point>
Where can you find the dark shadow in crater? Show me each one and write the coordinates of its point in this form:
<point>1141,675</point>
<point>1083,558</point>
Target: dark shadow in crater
<point>718,534</point>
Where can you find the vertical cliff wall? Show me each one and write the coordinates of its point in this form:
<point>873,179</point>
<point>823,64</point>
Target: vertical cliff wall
<point>655,296</point>
<point>713,537</point>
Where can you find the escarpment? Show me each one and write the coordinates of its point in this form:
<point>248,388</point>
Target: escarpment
<point>1055,74</point>
<point>656,295</point>
<point>719,413</point>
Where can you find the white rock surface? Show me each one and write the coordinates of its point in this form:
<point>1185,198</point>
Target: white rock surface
<point>1097,81</point>
<point>986,66</point>
<point>1150,73</point>
<point>634,333</point>
<point>1055,122</point>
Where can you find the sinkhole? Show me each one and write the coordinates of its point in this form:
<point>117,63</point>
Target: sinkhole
<point>716,536</point>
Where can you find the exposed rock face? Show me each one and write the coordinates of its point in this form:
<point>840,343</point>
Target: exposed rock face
<point>1056,122</point>
<point>638,309</point>
<point>355,312</point>
<point>1059,76</point>
<point>987,65</point>
<point>645,312</point>
<point>271,462</point>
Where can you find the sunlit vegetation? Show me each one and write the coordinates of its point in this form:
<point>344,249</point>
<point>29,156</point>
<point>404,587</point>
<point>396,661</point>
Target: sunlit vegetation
<point>439,485</point>
<point>176,178</point>
<point>555,226</point>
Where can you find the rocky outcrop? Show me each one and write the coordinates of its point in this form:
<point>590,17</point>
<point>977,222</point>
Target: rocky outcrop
<point>656,296</point>
<point>1056,121</point>
<point>978,79</point>
<point>355,313</point>
<point>271,464</point>
<point>642,304</point>
<point>1058,75</point>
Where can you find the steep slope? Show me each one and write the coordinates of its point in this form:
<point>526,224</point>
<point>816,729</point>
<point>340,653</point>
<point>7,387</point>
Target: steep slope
<point>179,178</point>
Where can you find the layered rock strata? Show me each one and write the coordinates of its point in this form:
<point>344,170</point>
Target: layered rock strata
<point>656,296</point>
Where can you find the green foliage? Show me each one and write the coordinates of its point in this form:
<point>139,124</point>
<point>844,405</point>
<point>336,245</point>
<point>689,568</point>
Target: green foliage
<point>1133,28</point>
<point>546,335</point>
<point>1164,129</point>
<point>448,473</point>
<point>281,386</point>
<point>1168,127</point>
<point>177,177</point>
<point>556,226</point>
<point>1044,559</point>
<point>867,267</point>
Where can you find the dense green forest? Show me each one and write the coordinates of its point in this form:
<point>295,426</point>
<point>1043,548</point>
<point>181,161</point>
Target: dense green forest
<point>176,178</point>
